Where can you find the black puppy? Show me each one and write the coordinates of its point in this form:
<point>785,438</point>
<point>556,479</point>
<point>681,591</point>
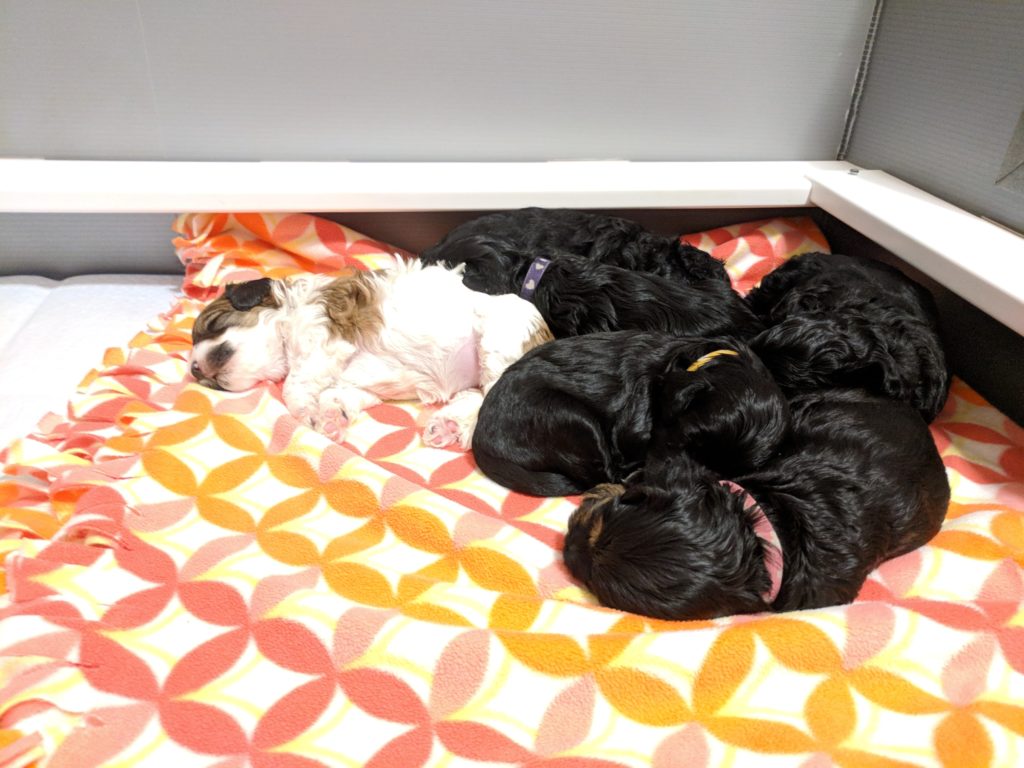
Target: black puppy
<point>574,413</point>
<point>858,481</point>
<point>577,296</point>
<point>836,320</point>
<point>587,273</point>
<point>497,248</point>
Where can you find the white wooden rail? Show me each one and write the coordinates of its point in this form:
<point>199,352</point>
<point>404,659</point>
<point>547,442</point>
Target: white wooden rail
<point>980,261</point>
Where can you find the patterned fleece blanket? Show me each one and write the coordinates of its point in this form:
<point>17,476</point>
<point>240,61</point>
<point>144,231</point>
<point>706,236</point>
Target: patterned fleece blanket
<point>193,579</point>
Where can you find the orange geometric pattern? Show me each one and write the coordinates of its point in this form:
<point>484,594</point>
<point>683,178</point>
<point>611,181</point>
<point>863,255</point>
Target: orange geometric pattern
<point>753,249</point>
<point>193,578</point>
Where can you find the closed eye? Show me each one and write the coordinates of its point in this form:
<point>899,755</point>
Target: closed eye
<point>219,355</point>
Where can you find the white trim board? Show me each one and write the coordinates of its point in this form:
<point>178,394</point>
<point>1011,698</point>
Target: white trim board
<point>974,258</point>
<point>978,260</point>
<point>96,186</point>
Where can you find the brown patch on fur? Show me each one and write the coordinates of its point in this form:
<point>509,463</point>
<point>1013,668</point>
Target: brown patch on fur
<point>351,306</point>
<point>542,335</point>
<point>604,491</point>
<point>585,516</point>
<point>219,315</point>
<point>595,532</point>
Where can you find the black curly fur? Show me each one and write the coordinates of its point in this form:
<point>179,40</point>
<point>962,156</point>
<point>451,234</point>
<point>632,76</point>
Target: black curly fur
<point>495,245</point>
<point>835,320</point>
<point>606,274</point>
<point>577,296</point>
<point>858,481</point>
<point>577,412</point>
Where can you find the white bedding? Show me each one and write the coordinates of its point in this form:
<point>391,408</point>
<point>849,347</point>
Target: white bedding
<point>52,332</point>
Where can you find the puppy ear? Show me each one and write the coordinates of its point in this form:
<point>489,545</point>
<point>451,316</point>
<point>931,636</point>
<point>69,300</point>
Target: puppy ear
<point>245,296</point>
<point>933,389</point>
<point>913,369</point>
<point>678,394</point>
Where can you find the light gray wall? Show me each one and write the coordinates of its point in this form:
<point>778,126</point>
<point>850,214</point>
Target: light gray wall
<point>943,96</point>
<point>65,244</point>
<point>415,80</point>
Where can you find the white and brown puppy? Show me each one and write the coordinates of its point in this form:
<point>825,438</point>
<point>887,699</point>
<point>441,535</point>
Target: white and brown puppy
<point>343,344</point>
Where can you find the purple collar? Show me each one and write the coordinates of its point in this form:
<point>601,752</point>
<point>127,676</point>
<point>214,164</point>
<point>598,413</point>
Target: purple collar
<point>533,276</point>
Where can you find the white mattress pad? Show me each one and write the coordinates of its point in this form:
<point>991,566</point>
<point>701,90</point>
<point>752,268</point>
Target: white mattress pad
<point>52,332</point>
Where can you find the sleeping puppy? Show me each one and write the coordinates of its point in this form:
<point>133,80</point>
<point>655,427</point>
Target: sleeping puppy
<point>841,321</point>
<point>587,272</point>
<point>498,247</point>
<point>576,296</point>
<point>343,344</point>
<point>858,481</point>
<point>582,411</point>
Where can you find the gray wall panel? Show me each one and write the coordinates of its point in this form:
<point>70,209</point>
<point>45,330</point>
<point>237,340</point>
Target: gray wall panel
<point>74,81</point>
<point>447,80</point>
<point>60,245</point>
<point>943,94</point>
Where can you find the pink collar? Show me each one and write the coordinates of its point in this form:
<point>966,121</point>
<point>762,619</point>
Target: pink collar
<point>765,531</point>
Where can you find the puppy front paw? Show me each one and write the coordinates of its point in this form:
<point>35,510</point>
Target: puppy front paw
<point>454,423</point>
<point>333,424</point>
<point>441,432</point>
<point>331,418</point>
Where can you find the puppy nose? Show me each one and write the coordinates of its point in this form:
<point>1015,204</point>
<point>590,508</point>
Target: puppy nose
<point>197,372</point>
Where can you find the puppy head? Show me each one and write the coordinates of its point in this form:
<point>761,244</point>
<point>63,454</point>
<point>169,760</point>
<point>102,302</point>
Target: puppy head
<point>235,339</point>
<point>678,546</point>
<point>718,402</point>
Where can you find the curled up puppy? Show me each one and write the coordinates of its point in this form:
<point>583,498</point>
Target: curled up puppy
<point>498,247</point>
<point>576,297</point>
<point>591,409</point>
<point>843,321</point>
<point>858,481</point>
<point>345,343</point>
<point>589,272</point>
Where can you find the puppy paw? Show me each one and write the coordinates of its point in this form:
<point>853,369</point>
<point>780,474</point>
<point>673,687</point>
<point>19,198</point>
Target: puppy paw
<point>334,424</point>
<point>331,418</point>
<point>440,433</point>
<point>454,423</point>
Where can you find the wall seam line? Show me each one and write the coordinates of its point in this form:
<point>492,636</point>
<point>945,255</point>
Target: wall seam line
<point>858,84</point>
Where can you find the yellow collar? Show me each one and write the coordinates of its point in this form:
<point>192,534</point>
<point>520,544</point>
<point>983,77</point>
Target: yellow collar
<point>700,361</point>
